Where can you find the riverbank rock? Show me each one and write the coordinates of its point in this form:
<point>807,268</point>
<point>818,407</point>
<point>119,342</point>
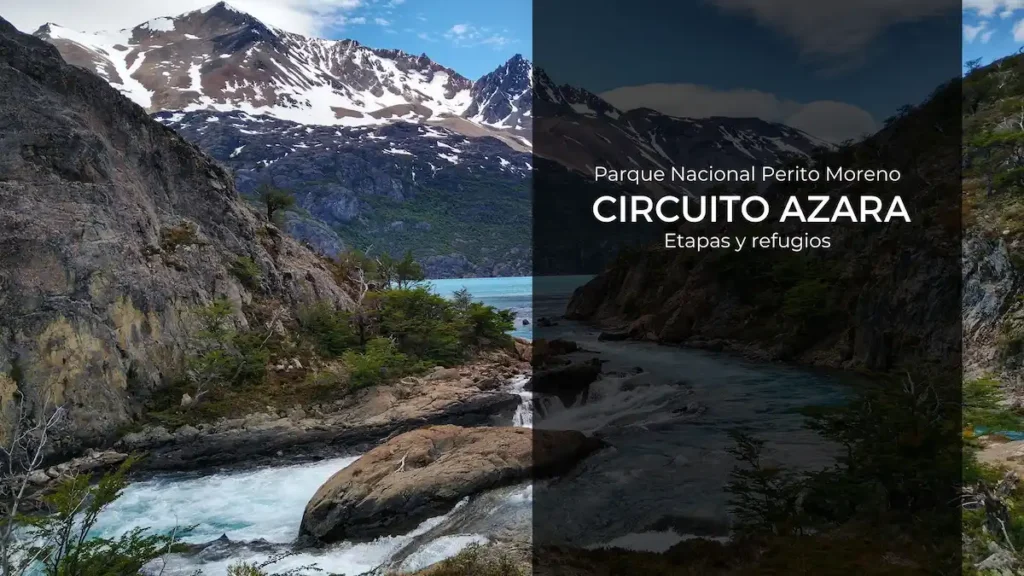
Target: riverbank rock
<point>470,395</point>
<point>549,352</point>
<point>45,480</point>
<point>424,473</point>
<point>566,382</point>
<point>522,349</point>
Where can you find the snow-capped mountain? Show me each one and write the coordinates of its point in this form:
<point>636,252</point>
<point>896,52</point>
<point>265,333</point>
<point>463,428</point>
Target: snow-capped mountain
<point>504,98</point>
<point>219,58</point>
<point>392,150</point>
<point>582,130</point>
<point>462,204</point>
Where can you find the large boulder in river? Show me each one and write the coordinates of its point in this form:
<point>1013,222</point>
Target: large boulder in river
<point>424,473</point>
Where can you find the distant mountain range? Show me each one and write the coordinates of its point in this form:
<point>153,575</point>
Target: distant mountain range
<point>386,150</point>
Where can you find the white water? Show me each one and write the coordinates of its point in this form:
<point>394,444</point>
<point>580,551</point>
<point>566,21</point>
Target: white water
<point>262,504</point>
<point>265,503</point>
<point>268,504</point>
<point>523,418</point>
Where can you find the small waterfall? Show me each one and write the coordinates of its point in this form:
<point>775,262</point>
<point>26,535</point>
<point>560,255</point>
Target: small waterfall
<point>530,403</point>
<point>523,418</point>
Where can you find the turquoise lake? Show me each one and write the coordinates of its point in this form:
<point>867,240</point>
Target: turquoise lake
<point>516,294</point>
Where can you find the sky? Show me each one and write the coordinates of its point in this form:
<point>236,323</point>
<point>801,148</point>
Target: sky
<point>992,28</point>
<point>834,69</point>
<point>471,36</point>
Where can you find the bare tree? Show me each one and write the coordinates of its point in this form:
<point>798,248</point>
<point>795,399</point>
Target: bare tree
<point>360,315</point>
<point>22,452</point>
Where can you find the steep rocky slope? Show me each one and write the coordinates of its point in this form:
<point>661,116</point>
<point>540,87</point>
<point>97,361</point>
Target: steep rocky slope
<point>460,204</point>
<point>113,230</point>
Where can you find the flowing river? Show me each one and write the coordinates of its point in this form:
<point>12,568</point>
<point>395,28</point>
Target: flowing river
<point>663,418</point>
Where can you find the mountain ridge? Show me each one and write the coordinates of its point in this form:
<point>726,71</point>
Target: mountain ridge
<point>224,59</point>
<point>227,81</point>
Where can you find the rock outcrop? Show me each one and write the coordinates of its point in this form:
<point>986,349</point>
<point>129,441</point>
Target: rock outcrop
<point>567,382</point>
<point>113,230</point>
<point>422,474</point>
<point>467,396</point>
<point>990,311</point>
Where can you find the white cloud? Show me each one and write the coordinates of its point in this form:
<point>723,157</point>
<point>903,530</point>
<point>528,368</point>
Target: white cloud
<point>309,17</point>
<point>468,35</point>
<point>986,36</point>
<point>971,32</point>
<point>1018,31</point>
<point>826,119</point>
<point>838,28</point>
<point>987,8</point>
<point>381,22</point>
<point>356,20</point>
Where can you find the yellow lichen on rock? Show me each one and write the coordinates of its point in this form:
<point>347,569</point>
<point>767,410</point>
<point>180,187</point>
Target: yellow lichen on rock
<point>128,322</point>
<point>64,355</point>
<point>8,410</point>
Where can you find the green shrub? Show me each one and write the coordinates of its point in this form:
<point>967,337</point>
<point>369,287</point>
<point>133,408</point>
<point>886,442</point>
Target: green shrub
<point>380,362</point>
<point>247,271</point>
<point>62,539</point>
<point>484,322</point>
<point>331,331</point>
<point>983,407</point>
<point>806,301</point>
<point>473,562</point>
<point>225,355</point>
<point>422,323</point>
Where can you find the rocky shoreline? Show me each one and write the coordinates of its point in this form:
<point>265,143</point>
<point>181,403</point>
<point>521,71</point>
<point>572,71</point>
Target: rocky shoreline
<point>470,395</point>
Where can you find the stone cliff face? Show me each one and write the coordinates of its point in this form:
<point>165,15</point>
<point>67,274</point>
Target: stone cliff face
<point>113,229</point>
<point>990,284</point>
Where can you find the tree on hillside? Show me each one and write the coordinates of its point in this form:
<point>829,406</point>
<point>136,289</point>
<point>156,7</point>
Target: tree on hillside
<point>274,199</point>
<point>386,269</point>
<point>408,271</point>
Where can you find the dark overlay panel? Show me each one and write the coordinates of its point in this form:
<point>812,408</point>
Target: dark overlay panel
<point>747,285</point>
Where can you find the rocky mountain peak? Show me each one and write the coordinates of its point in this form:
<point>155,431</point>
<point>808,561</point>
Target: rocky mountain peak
<point>503,98</point>
<point>213,22</point>
<point>220,58</point>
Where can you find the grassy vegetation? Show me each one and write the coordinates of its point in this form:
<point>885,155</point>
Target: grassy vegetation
<point>325,352</point>
<point>183,234</point>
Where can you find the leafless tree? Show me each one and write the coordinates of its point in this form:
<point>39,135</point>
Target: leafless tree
<point>360,315</point>
<point>22,451</point>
